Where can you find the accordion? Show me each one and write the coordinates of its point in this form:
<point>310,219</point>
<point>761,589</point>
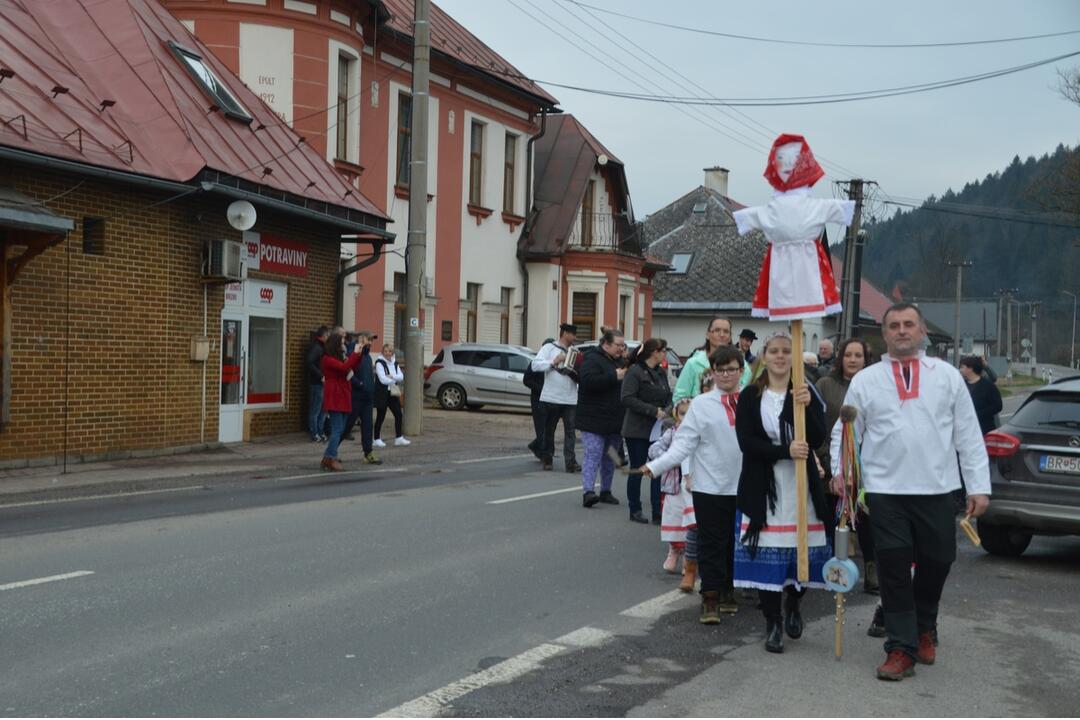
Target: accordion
<point>569,360</point>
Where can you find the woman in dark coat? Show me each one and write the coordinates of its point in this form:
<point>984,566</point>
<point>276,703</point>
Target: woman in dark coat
<point>647,398</point>
<point>599,416</point>
<point>765,557</point>
<point>984,394</point>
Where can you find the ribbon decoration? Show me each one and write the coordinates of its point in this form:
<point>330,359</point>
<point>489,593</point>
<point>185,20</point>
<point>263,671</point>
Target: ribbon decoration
<point>840,573</point>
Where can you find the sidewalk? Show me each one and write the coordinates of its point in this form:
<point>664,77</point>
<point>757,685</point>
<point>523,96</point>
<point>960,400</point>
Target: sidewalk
<point>447,436</point>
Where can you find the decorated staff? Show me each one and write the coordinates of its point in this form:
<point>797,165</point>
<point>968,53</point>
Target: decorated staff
<point>796,280</point>
<point>840,573</point>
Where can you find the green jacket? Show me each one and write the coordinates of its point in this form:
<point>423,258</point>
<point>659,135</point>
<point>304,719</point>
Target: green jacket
<point>689,383</point>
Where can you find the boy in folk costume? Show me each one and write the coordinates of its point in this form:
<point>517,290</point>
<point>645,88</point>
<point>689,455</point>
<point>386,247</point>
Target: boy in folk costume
<point>915,417</point>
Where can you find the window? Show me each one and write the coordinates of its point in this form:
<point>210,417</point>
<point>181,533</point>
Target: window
<point>472,303</point>
<point>345,66</point>
<point>504,315</point>
<point>518,363</point>
<point>587,214</point>
<point>210,83</point>
<point>584,315</point>
<point>399,312</point>
<point>447,330</point>
<point>490,361</point>
<point>1049,410</point>
<point>476,164</point>
<point>699,207</point>
<point>478,358</point>
<point>404,139</point>
<point>266,343</point>
<point>624,307</point>
<point>509,166</point>
<point>681,263</point>
<point>93,237</point>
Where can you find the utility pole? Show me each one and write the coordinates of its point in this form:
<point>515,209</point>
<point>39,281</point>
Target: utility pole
<point>959,265</point>
<point>1034,338</point>
<point>849,291</point>
<point>1072,343</point>
<point>416,247</point>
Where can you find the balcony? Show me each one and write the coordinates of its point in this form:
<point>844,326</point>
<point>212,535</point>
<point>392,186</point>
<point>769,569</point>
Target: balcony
<point>605,233</point>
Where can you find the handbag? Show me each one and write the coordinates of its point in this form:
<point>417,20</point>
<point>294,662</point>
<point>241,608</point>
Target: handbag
<point>395,390</point>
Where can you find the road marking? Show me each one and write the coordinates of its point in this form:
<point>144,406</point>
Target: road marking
<point>585,637</point>
<point>102,497</point>
<point>431,704</point>
<point>534,495</point>
<point>654,609</point>
<point>490,459</point>
<point>324,473</point>
<point>51,578</point>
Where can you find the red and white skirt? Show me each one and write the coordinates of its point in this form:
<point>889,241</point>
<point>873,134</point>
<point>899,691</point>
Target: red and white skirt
<point>796,282</point>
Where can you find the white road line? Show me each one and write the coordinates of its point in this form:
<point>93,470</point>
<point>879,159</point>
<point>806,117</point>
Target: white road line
<point>101,497</point>
<point>340,474</point>
<point>51,578</point>
<point>490,459</point>
<point>431,704</point>
<point>585,637</point>
<point>654,609</point>
<point>534,495</point>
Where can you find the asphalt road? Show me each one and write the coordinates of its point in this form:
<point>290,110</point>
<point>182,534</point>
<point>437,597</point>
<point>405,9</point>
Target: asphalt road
<point>408,592</point>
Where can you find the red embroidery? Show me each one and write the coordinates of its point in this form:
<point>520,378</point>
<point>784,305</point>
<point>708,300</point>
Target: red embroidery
<point>906,391</point>
<point>729,402</point>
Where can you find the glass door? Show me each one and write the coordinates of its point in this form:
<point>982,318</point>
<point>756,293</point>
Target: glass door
<point>233,371</point>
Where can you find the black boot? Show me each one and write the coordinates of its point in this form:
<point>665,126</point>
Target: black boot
<point>774,635</point>
<point>793,624</point>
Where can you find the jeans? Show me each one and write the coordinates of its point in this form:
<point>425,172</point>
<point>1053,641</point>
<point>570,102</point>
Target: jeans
<point>638,449</point>
<point>715,540</point>
<point>597,460</point>
<point>552,414</point>
<point>362,412</point>
<point>337,429</point>
<point>394,403</point>
<point>316,416</point>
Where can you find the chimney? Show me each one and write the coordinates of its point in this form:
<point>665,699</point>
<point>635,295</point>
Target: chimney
<point>716,179</point>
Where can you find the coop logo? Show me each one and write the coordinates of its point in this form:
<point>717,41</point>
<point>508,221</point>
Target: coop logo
<point>266,295</point>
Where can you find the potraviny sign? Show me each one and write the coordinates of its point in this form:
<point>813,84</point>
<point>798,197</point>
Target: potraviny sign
<point>273,254</point>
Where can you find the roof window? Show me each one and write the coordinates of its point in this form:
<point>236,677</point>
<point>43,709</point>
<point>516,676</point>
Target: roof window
<point>210,83</point>
<point>681,263</point>
<point>699,207</point>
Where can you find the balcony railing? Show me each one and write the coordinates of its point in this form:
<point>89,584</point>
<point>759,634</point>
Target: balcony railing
<point>604,232</point>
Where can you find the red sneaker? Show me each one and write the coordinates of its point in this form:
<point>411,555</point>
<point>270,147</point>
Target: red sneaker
<point>927,653</point>
<point>897,666</point>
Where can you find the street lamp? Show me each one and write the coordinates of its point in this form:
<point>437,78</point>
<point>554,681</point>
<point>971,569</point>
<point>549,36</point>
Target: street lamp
<point>1072,346</point>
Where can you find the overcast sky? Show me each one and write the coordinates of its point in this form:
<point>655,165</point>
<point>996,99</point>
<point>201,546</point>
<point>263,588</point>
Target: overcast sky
<point>913,145</point>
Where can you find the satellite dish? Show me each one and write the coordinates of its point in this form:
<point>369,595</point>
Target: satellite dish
<point>241,215</point>
<point>602,160</point>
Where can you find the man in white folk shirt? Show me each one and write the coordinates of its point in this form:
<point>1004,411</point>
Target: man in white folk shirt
<point>915,417</point>
<point>559,397</point>
<point>707,437</point>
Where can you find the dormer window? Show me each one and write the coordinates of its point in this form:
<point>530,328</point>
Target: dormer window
<point>210,83</point>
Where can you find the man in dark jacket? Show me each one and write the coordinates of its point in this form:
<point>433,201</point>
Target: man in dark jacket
<point>363,397</point>
<point>599,415</point>
<point>313,367</point>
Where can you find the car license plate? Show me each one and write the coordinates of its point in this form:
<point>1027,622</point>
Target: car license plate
<point>1069,464</point>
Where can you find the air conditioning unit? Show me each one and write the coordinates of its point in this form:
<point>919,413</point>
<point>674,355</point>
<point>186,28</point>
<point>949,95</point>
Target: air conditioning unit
<point>223,260</point>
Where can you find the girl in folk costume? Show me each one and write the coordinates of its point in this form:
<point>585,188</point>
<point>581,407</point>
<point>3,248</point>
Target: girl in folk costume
<point>677,515</point>
<point>796,279</point>
<point>766,555</point>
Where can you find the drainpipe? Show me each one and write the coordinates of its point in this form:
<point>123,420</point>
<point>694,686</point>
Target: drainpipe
<point>339,280</point>
<point>527,226</point>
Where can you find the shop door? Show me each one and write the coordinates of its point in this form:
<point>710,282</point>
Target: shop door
<point>233,370</point>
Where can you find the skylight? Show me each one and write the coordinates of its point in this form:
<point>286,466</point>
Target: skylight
<point>210,83</point>
<point>681,262</point>
<point>699,207</point>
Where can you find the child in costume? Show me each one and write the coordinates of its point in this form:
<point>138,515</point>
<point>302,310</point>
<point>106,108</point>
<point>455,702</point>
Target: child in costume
<point>678,505</point>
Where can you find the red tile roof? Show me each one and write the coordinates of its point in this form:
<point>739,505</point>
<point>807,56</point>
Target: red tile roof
<point>871,300</point>
<point>450,37</point>
<point>158,123</point>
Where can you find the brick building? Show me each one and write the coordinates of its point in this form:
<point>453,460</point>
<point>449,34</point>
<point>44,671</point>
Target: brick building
<point>123,143</point>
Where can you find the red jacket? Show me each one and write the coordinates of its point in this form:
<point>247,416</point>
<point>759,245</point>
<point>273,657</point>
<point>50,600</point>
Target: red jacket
<point>337,393</point>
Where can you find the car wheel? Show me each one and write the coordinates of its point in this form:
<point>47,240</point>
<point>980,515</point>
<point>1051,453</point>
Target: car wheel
<point>1003,540</point>
<point>451,397</point>
<point>474,406</point>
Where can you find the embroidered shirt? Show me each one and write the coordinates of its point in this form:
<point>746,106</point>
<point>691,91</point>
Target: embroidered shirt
<point>707,437</point>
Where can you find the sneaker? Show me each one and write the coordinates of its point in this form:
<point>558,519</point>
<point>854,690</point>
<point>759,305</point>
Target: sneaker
<point>927,652</point>
<point>608,499</point>
<point>322,438</point>
<point>401,441</point>
<point>589,499</point>
<point>331,465</point>
<point>370,459</point>
<point>877,625</point>
<point>671,562</point>
<point>378,443</point>
<point>710,608</point>
<point>897,666</point>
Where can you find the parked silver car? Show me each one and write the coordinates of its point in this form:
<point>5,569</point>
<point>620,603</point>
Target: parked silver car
<point>471,375</point>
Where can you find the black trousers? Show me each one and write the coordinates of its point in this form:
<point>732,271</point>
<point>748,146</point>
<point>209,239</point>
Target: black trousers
<point>381,404</point>
<point>552,414</point>
<point>716,540</point>
<point>537,444</point>
<point>361,410</point>
<point>770,600</point>
<point>910,529</point>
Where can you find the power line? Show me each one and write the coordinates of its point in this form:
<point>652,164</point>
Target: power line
<point>986,216</point>
<point>777,41</point>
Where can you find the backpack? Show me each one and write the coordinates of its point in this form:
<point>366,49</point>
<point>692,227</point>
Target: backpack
<point>533,379</point>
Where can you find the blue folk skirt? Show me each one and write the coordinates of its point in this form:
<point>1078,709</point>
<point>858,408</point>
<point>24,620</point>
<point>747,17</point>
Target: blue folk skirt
<point>773,568</point>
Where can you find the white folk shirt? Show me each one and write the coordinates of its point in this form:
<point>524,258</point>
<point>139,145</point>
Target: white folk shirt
<point>911,431</point>
<point>707,437</point>
<point>559,389</point>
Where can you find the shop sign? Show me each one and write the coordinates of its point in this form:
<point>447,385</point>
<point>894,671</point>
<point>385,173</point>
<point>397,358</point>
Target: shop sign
<point>273,254</point>
<point>265,295</point>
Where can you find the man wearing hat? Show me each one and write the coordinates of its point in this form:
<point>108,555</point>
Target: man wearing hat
<point>559,397</point>
<point>746,339</point>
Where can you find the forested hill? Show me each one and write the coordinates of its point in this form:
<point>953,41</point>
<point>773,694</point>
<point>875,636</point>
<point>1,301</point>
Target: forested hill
<point>912,248</point>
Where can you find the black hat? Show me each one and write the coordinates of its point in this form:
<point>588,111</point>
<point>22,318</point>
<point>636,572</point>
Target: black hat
<point>568,328</point>
<point>748,333</point>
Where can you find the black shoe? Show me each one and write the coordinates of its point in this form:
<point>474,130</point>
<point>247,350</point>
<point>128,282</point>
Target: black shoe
<point>793,624</point>
<point>573,468</point>
<point>532,447</point>
<point>774,636</point>
<point>656,520</point>
<point>546,462</point>
<point>877,625</point>
<point>589,499</point>
<point>608,499</point>
<point>638,518</point>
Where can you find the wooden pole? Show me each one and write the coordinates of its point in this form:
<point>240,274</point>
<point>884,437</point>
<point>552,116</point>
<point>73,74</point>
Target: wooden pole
<point>798,377</point>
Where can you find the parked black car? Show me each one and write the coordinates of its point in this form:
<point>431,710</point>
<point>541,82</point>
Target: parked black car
<point>1035,471</point>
